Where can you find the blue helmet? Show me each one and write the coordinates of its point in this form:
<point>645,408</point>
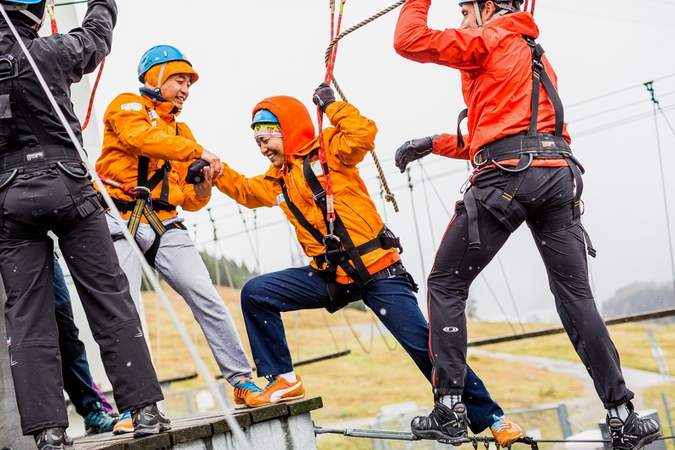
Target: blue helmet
<point>264,116</point>
<point>22,2</point>
<point>159,54</point>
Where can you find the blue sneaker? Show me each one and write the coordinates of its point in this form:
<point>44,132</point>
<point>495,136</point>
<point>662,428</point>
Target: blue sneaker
<point>99,421</point>
<point>243,390</point>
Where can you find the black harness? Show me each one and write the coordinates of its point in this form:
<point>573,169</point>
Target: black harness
<point>145,206</point>
<point>14,106</point>
<point>340,248</point>
<point>525,148</point>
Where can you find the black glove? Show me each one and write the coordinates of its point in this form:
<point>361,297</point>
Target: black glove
<point>323,96</point>
<point>194,174</point>
<point>412,151</point>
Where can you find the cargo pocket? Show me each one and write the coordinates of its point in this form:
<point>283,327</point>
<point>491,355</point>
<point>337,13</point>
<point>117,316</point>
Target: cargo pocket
<point>77,180</point>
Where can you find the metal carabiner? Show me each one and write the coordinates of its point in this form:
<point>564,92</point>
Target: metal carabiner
<point>476,164</point>
<point>516,170</point>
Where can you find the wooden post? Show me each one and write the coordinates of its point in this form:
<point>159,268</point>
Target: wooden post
<point>10,429</point>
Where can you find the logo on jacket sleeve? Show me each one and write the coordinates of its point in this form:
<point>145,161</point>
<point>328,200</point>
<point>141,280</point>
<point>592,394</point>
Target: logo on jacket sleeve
<point>131,107</point>
<point>450,330</point>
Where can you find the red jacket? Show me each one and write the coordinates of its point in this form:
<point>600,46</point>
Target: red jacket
<point>496,66</point>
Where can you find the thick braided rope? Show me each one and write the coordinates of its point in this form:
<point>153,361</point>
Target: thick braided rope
<point>389,195</point>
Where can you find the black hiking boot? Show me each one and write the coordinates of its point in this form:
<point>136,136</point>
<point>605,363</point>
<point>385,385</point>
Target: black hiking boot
<point>52,439</point>
<point>634,433</point>
<point>149,420</point>
<point>445,424</point>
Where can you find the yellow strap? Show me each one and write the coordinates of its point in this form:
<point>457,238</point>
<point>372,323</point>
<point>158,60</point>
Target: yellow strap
<point>154,220</point>
<point>136,214</point>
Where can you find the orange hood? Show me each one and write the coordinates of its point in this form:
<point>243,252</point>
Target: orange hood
<point>296,124</point>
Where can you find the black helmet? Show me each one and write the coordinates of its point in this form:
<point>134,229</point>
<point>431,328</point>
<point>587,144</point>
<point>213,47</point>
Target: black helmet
<point>29,11</point>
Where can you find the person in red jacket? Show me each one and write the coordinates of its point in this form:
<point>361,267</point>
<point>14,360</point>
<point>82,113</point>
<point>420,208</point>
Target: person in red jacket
<point>525,172</point>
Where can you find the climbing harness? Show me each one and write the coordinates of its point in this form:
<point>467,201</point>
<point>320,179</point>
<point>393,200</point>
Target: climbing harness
<point>340,249</point>
<point>145,206</point>
<point>331,53</point>
<point>523,148</point>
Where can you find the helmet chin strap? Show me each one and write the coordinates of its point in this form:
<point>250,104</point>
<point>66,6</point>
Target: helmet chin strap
<point>479,19</point>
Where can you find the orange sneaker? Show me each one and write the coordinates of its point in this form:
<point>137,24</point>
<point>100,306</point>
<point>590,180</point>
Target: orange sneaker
<point>243,391</point>
<point>506,432</point>
<point>279,390</point>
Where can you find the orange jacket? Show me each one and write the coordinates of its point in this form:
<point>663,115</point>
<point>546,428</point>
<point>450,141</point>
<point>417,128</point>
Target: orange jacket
<point>496,66</point>
<point>346,143</point>
<point>136,125</point>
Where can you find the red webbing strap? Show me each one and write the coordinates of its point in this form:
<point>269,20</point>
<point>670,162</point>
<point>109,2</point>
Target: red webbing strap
<point>90,108</point>
<point>330,199</point>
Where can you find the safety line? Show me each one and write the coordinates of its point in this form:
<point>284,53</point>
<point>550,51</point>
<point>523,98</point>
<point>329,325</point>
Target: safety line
<point>416,222</point>
<point>228,274</point>
<point>618,123</point>
<point>661,314</point>
<point>501,307</point>
<point>474,440</point>
<point>367,351</point>
<point>432,233</point>
<point>657,106</point>
<point>182,331</point>
<point>250,239</point>
<point>618,91</point>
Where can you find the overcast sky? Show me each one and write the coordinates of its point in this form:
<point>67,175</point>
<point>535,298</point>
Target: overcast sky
<point>245,51</point>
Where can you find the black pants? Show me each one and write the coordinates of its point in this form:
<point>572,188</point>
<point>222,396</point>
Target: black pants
<point>546,198</point>
<point>40,199</point>
<point>77,380</point>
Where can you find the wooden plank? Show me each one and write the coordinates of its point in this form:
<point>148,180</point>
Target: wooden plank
<point>155,442</point>
<point>300,407</point>
<point>193,432</point>
<point>269,413</point>
<point>220,426</point>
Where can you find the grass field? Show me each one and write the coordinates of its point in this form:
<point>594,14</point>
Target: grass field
<point>356,386</point>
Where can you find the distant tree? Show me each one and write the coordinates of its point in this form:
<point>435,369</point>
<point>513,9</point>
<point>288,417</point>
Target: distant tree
<point>240,273</point>
<point>640,297</point>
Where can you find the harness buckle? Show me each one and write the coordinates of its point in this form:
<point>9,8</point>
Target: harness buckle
<point>518,169</point>
<point>332,244</point>
<point>478,154</point>
<point>142,191</point>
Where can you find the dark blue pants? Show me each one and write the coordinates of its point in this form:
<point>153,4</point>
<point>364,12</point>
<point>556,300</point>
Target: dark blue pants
<point>77,379</point>
<point>263,298</point>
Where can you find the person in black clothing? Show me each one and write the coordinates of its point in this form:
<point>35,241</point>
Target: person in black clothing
<point>45,186</point>
<point>77,379</point>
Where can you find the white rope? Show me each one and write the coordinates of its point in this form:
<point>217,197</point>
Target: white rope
<point>182,331</point>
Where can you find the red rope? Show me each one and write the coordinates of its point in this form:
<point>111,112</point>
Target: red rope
<point>534,3</point>
<point>526,5</point>
<point>90,109</point>
<point>334,30</point>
